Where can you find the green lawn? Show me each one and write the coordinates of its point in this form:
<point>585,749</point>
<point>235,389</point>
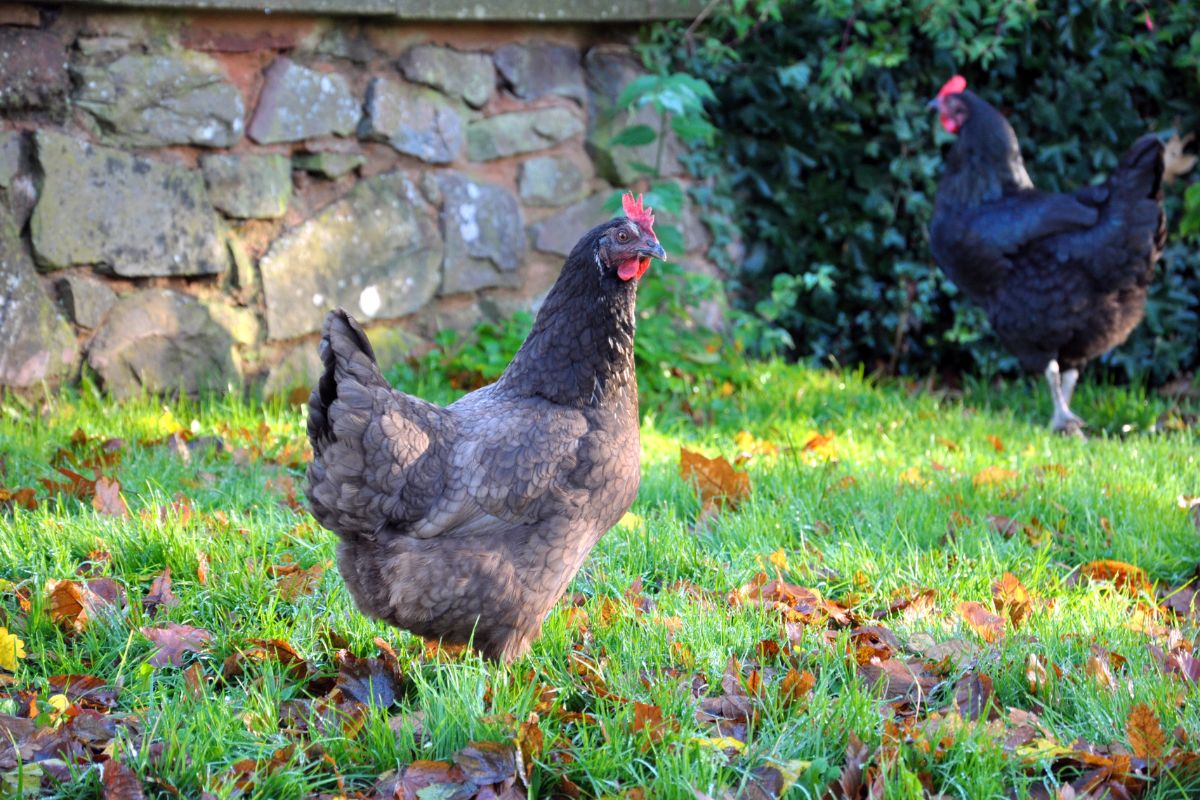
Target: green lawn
<point>907,496</point>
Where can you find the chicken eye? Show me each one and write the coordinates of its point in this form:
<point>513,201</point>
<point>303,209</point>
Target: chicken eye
<point>622,236</point>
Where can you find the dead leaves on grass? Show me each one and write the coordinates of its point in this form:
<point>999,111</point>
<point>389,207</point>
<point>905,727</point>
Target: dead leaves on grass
<point>720,485</point>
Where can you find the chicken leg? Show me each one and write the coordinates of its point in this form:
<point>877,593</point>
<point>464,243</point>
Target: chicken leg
<point>1062,386</point>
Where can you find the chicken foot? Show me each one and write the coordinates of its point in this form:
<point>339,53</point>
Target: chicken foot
<point>1062,387</point>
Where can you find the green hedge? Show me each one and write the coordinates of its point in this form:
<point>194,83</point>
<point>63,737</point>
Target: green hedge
<point>827,160</point>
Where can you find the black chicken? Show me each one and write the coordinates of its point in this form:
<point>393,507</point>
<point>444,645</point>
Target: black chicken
<point>1062,277</point>
<point>466,523</point>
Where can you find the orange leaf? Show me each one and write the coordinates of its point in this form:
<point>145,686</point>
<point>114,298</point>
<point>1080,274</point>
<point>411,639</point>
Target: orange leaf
<point>1146,736</point>
<point>202,568</point>
<point>1035,673</point>
<point>648,718</point>
<point>989,626</point>
<point>302,582</point>
<point>719,483</point>
<point>1123,576</point>
<point>796,685</point>
<point>1011,598</point>
<point>108,498</point>
<point>1098,669</point>
<point>995,442</point>
<point>993,476</point>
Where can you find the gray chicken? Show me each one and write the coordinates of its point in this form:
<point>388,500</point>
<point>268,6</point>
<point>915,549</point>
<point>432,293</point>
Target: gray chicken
<point>465,523</point>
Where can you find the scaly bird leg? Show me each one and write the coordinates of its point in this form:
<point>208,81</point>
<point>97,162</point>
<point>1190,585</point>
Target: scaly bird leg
<point>1061,389</point>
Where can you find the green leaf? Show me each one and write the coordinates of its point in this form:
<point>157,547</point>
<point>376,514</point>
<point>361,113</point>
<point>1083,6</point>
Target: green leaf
<point>666,196</point>
<point>635,136</point>
<point>671,239</point>
<point>637,90</point>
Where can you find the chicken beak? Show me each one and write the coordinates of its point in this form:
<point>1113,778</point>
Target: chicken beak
<point>653,250</point>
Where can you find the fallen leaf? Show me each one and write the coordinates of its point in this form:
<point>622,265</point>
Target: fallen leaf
<point>120,782</point>
<point>1011,598</point>
<point>202,568</point>
<point>160,594</point>
<point>301,582</point>
<point>486,763</point>
<point>1035,673</point>
<point>370,681</point>
<point>913,477</point>
<point>173,641</point>
<point>1146,736</point>
<point>995,442</point>
<point>108,500</point>
<point>86,691</point>
<point>12,650</point>
<point>530,743</point>
<point>719,483</point>
<point>993,476</point>
<point>267,650</point>
<point>795,686</point>
<point>820,444</point>
<point>1098,670</point>
<point>73,604</point>
<point>972,694</point>
<point>648,718</point>
<point>989,626</point>
<point>25,498</point>
<point>1123,576</point>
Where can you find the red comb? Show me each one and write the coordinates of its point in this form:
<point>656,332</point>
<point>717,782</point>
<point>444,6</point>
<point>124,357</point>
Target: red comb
<point>955,85</point>
<point>637,212</point>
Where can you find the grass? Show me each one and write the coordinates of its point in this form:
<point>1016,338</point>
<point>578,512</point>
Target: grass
<point>891,505</point>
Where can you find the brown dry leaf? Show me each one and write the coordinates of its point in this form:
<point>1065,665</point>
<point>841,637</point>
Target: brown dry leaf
<point>193,679</point>
<point>649,718</point>
<point>261,650</point>
<point>949,444</point>
<point>972,694</point>
<point>719,483</point>
<point>530,743</point>
<point>76,485</point>
<point>1035,673</point>
<point>173,641</point>
<point>989,626</point>
<point>120,782</point>
<point>160,594</point>
<point>795,686</point>
<point>487,763</point>
<point>1011,598</point>
<point>73,604</point>
<point>993,476</point>
<point>108,500</point>
<point>300,582</point>
<point>1098,670</point>
<point>821,445</point>
<point>25,498</point>
<point>901,680</point>
<point>1146,736</point>
<point>370,681</point>
<point>202,568</point>
<point>1005,526</point>
<point>1123,576</point>
<point>86,691</point>
<point>995,442</point>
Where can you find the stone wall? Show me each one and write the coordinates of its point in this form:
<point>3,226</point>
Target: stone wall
<point>183,195</point>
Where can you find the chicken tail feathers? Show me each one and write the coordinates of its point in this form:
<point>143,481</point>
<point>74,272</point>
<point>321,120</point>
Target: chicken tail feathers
<point>1140,171</point>
<point>346,352</point>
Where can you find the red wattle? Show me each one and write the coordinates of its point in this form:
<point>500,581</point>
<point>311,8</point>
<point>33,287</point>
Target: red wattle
<point>633,269</point>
